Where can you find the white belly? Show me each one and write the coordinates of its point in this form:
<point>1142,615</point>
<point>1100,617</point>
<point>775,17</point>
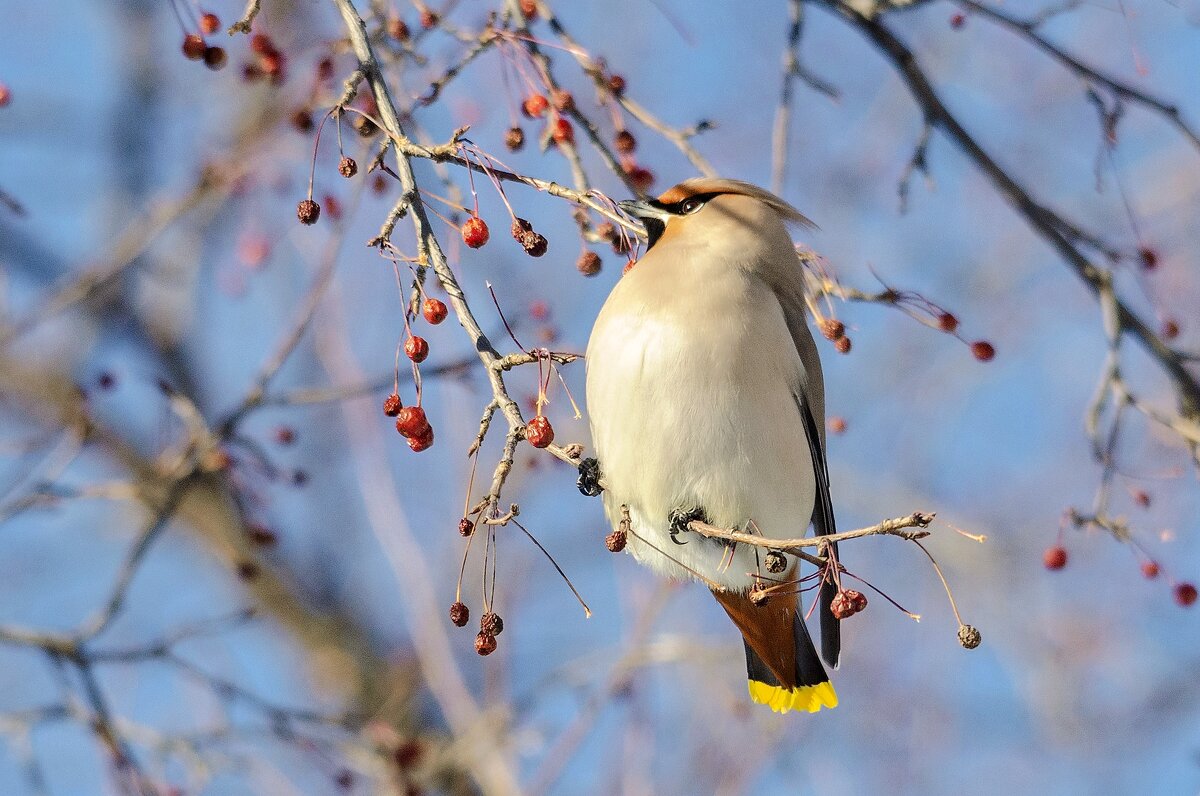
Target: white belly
<point>697,408</point>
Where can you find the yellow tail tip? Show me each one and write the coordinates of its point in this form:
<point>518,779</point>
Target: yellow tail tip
<point>809,698</point>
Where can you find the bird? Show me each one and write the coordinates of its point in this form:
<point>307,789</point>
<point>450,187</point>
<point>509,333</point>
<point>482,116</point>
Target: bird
<point>706,401</point>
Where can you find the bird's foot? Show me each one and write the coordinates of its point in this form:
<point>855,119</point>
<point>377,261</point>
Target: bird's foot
<point>589,478</point>
<point>680,518</point>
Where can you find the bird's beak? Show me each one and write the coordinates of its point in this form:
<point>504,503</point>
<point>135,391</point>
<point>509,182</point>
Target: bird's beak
<point>643,210</point>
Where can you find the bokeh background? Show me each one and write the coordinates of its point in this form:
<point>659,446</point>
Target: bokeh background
<point>1086,680</point>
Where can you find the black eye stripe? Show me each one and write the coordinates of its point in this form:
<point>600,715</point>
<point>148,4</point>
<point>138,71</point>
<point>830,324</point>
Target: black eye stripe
<point>676,208</point>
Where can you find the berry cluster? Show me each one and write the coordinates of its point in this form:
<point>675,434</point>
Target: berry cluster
<point>847,603</point>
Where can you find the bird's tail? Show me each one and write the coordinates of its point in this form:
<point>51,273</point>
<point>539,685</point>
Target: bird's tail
<point>784,671</point>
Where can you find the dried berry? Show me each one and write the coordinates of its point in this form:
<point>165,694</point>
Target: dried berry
<point>514,139</point>
<point>1185,594</point>
<point>563,132</point>
<point>625,143</point>
<point>969,636</point>
<point>535,105</point>
<point>347,167</point>
<point>485,643</point>
<point>193,47</point>
<point>422,441</point>
<point>308,211</point>
<point>758,595</point>
<point>434,310</point>
<point>416,349</point>
<point>776,562</point>
<point>475,232</point>
<point>616,84</point>
<point>539,432</point>
<point>588,263</point>
<point>411,421</point>
<point>215,58</point>
<point>491,623</point>
<point>858,600</point>
<point>947,322</point>
<point>842,345</point>
<point>392,405</point>
<point>459,614</point>
<point>537,245</point>
<point>983,350</point>
<point>841,607</point>
<point>1055,557</point>
<point>833,329</point>
<point>1150,569</point>
<point>210,23</point>
<point>465,527</point>
<point>615,541</point>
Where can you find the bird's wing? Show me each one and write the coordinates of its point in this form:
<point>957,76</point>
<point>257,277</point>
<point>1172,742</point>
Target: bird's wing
<point>810,401</point>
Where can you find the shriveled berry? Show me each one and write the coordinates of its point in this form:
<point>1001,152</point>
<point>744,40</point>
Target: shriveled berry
<point>947,322</point>
<point>1150,569</point>
<point>308,211</point>
<point>983,350</point>
<point>857,599</point>
<point>537,245</point>
<point>411,421</point>
<point>588,263</point>
<point>193,47</point>
<point>776,562</point>
<point>215,58</point>
<point>459,614</point>
<point>758,595</point>
<point>842,345</point>
<point>969,636</point>
<point>1185,594</point>
<point>841,607</point>
<point>347,167</point>
<point>392,405</point>
<point>563,132</point>
<point>615,541</point>
<point>833,329</point>
<point>434,310</point>
<point>485,643</point>
<point>398,29</point>
<point>539,432</point>
<point>491,623</point>
<point>616,84</point>
<point>625,143</point>
<point>210,23</point>
<point>475,232</point>
<point>416,349</point>
<point>422,441</point>
<point>1055,557</point>
<point>535,105</point>
<point>514,139</point>
<point>465,527</point>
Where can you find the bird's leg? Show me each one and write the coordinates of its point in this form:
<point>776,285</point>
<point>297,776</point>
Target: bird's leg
<point>680,518</point>
<point>589,478</point>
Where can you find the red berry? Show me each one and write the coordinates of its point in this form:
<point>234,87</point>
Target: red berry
<point>491,623</point>
<point>625,143</point>
<point>416,348</point>
<point>563,132</point>
<point>1185,594</point>
<point>616,84</point>
<point>193,47</point>
<point>5,95</point>
<point>564,101</point>
<point>983,350</point>
<point>588,263</point>
<point>428,19</point>
<point>333,207</point>
<point>1055,557</point>
<point>514,139</point>
<point>485,643</point>
<point>421,441</point>
<point>535,105</point>
<point>475,232</point>
<point>539,432</point>
<point>392,405</point>
<point>1149,258</point>
<point>529,9</point>
<point>434,311</point>
<point>833,329</point>
<point>308,211</point>
<point>837,424</point>
<point>465,527</point>
<point>1170,329</point>
<point>615,541</point>
<point>325,70</point>
<point>347,167</point>
<point>210,23</point>
<point>459,614</point>
<point>857,599</point>
<point>411,421</point>
<point>271,63</point>
<point>957,21</point>
<point>842,345</point>
<point>215,58</point>
<point>842,607</point>
<point>537,245</point>
<point>947,323</point>
<point>285,435</point>
<point>539,310</point>
<point>398,29</point>
<point>1150,569</point>
<point>641,178</point>
<point>1142,498</point>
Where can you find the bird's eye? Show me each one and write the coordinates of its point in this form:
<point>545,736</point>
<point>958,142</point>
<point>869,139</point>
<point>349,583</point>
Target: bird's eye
<point>690,206</point>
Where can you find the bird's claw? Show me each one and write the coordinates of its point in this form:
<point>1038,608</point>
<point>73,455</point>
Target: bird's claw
<point>679,520</point>
<point>589,478</point>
